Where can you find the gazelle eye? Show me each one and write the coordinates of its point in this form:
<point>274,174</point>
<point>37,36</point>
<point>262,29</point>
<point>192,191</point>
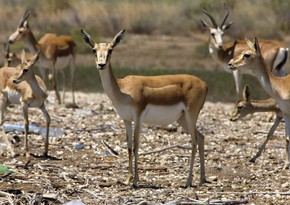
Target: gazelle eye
<point>94,51</point>
<point>246,55</point>
<point>239,108</point>
<point>110,51</point>
<point>25,70</point>
<point>212,34</point>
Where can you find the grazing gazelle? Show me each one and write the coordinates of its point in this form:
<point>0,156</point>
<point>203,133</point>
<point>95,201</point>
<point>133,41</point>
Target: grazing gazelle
<point>157,100</point>
<point>56,52</point>
<point>275,54</point>
<point>277,87</point>
<point>246,106</point>
<point>20,86</point>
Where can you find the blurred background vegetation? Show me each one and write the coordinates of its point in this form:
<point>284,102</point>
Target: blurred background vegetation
<point>104,18</point>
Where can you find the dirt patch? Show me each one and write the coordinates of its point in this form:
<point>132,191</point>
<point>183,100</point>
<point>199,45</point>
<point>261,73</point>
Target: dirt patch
<point>86,170</point>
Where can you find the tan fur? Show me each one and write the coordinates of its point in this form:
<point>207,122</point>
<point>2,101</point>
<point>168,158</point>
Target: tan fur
<point>246,106</point>
<point>135,96</point>
<point>277,87</point>
<point>223,53</point>
<point>20,86</point>
<point>52,48</point>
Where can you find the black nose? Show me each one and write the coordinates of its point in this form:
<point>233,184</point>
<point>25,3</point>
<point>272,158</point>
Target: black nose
<point>230,65</point>
<point>220,46</point>
<point>101,65</point>
<point>10,42</point>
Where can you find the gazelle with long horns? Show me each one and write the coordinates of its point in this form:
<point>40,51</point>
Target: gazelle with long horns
<point>157,100</point>
<point>246,106</point>
<point>20,86</point>
<point>56,52</point>
<point>275,54</point>
<point>251,59</point>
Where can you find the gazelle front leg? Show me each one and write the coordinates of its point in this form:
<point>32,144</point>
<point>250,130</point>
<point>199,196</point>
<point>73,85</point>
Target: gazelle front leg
<point>26,127</point>
<point>137,130</point>
<point>270,134</point>
<point>128,126</point>
<point>47,117</point>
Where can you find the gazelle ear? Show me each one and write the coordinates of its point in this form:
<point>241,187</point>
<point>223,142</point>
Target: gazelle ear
<point>87,38</point>
<point>118,38</point>
<point>34,58</point>
<point>227,26</point>
<point>257,46</point>
<point>246,93</point>
<point>23,57</point>
<point>204,24</point>
<point>250,44</point>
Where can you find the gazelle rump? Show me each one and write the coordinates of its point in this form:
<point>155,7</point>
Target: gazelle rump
<point>153,100</point>
<point>277,87</point>
<point>275,54</point>
<point>20,86</point>
<point>56,52</point>
<point>246,106</point>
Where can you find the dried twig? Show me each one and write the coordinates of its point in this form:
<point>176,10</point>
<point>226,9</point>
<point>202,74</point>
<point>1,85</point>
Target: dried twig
<point>164,149</point>
<point>110,149</point>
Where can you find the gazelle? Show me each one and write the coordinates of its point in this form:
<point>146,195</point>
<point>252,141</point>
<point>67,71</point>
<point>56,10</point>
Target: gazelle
<point>275,54</point>
<point>277,87</point>
<point>246,106</point>
<point>157,100</point>
<point>56,52</point>
<point>10,59</point>
<point>20,86</point>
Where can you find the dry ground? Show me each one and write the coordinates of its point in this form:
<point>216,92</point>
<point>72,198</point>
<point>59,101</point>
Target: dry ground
<point>93,174</point>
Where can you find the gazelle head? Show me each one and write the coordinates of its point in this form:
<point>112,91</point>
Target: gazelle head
<point>216,32</point>
<point>243,107</point>
<point>22,29</point>
<point>7,55</point>
<point>103,51</point>
<point>248,58</point>
<point>25,70</point>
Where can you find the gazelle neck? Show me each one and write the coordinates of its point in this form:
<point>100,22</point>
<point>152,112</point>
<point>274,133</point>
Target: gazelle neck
<point>35,87</point>
<point>110,85</point>
<point>265,76</point>
<point>30,43</point>
<point>264,106</point>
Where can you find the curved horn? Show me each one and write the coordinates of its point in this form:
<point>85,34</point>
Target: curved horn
<point>225,17</point>
<point>24,17</point>
<point>211,18</point>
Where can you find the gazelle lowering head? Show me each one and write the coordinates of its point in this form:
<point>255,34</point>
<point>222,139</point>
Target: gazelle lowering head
<point>277,87</point>
<point>20,86</point>
<point>157,100</point>
<point>246,106</point>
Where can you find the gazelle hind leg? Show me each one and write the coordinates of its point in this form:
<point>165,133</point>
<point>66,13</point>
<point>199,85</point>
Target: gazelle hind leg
<point>191,125</point>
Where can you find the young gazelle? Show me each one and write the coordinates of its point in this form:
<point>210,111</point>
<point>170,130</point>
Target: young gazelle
<point>275,54</point>
<point>277,87</point>
<point>247,106</point>
<point>56,52</point>
<point>20,86</point>
<point>157,100</point>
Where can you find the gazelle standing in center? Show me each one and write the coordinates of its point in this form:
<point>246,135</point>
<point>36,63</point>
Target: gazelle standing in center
<point>157,100</point>
<point>277,87</point>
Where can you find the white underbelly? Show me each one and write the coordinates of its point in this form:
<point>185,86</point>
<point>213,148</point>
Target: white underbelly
<point>62,62</point>
<point>162,115</point>
<point>13,96</point>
